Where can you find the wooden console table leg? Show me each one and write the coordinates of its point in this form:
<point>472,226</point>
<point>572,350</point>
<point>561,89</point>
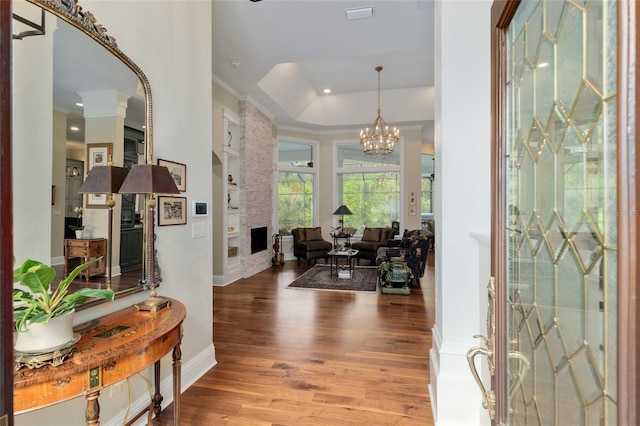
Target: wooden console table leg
<point>157,398</point>
<point>92,413</point>
<point>177,378</point>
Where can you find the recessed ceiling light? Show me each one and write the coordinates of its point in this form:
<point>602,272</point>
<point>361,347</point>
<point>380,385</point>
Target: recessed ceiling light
<point>359,13</point>
<point>74,128</point>
<point>327,91</point>
<point>79,104</point>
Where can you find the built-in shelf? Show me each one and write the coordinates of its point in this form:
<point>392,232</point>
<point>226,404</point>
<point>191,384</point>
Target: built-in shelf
<point>232,251</point>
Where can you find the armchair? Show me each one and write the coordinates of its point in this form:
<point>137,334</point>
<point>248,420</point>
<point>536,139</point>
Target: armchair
<point>309,245</point>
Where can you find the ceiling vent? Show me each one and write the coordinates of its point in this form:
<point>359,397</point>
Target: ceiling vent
<point>359,13</point>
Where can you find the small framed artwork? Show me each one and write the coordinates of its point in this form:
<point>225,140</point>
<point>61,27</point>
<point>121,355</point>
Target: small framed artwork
<point>178,171</point>
<point>413,211</point>
<point>172,211</point>
<point>200,209</point>
<point>412,199</point>
<point>97,155</point>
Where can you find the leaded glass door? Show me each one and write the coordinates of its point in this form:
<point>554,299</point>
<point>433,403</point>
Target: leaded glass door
<point>559,211</point>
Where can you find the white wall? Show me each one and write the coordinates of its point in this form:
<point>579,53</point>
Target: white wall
<point>462,152</point>
<point>171,42</point>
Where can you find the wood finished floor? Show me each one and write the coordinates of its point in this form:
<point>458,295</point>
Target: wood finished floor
<point>305,357</point>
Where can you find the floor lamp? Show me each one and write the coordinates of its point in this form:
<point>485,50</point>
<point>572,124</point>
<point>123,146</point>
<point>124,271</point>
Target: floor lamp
<point>150,179</point>
<point>105,180</point>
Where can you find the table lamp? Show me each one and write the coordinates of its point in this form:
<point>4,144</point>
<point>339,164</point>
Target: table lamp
<point>342,210</point>
<point>105,180</point>
<point>150,179</point>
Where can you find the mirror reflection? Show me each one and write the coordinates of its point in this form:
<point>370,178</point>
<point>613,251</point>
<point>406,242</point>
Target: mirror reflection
<point>75,105</point>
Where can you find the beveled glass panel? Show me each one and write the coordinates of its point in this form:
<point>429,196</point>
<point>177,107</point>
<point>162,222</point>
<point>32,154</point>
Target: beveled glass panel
<point>570,61</point>
<point>526,188</point>
<point>610,165</point>
<point>544,81</point>
<point>568,398</point>
<point>586,376</point>
<point>534,33</point>
<point>570,312</point>
<point>556,347</point>
<point>610,310</point>
<point>595,413</point>
<point>545,379</point>
<point>595,313</point>
<point>586,112</point>
<point>545,184</point>
<point>571,185</point>
<point>525,93</point>
<point>556,238</point>
<point>562,183</point>
<point>553,12</point>
<point>526,276</point>
<point>586,242</point>
<point>594,41</point>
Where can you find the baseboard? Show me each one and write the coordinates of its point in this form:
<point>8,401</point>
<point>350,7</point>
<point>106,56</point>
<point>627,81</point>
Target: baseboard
<point>192,370</point>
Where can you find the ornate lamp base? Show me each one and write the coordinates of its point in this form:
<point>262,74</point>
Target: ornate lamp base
<point>153,304</point>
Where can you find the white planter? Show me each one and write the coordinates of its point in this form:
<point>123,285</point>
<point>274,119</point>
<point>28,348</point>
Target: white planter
<point>79,234</point>
<point>47,336</point>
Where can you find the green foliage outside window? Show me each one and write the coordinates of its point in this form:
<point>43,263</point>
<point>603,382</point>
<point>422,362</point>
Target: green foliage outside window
<point>373,198</point>
<point>295,200</point>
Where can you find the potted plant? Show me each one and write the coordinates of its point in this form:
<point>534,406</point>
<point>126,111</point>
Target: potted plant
<point>394,277</point>
<point>79,229</point>
<point>38,307</point>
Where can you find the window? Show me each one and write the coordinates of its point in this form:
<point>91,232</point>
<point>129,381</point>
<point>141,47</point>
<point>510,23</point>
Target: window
<point>369,186</point>
<point>296,185</point>
<point>428,176</point>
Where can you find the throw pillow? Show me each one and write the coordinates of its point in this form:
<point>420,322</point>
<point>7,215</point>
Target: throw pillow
<point>371,234</point>
<point>313,234</point>
<point>300,234</point>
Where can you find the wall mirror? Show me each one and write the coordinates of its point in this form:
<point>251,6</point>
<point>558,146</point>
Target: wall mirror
<point>73,88</point>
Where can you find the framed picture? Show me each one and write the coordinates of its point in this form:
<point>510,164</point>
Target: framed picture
<point>413,211</point>
<point>412,199</point>
<point>172,211</point>
<point>97,155</point>
<point>178,172</point>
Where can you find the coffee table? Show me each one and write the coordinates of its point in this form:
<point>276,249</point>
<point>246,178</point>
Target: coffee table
<point>350,260</point>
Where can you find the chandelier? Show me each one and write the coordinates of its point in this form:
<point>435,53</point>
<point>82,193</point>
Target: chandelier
<point>379,139</point>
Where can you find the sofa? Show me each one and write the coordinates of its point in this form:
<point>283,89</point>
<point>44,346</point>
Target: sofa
<point>413,249</point>
<point>372,239</point>
<point>308,244</point>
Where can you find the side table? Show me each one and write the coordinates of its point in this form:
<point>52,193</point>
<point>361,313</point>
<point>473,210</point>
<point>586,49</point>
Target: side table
<point>87,249</point>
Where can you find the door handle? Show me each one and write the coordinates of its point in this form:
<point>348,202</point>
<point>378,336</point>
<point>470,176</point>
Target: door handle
<point>488,396</point>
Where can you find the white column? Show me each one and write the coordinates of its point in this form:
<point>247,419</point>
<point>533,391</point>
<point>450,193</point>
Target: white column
<point>104,113</point>
<point>462,153</point>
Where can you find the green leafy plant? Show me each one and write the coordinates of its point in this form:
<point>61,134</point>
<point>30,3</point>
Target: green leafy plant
<point>390,272</point>
<point>39,303</point>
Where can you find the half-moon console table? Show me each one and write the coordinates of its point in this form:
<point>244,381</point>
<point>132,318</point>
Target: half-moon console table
<point>110,349</point>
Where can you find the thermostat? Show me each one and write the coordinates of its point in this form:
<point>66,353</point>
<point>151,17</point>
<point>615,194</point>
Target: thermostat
<point>200,209</point>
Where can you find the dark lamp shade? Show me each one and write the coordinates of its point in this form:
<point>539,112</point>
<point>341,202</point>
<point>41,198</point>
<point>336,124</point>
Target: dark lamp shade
<point>343,210</point>
<point>149,179</point>
<point>103,180</point>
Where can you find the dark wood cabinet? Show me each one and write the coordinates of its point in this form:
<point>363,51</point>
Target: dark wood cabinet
<point>130,249</point>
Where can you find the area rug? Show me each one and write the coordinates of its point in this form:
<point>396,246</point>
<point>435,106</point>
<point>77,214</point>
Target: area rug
<point>318,278</point>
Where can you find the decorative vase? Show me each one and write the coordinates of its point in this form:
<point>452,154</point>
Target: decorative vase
<point>43,337</point>
<point>79,234</point>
